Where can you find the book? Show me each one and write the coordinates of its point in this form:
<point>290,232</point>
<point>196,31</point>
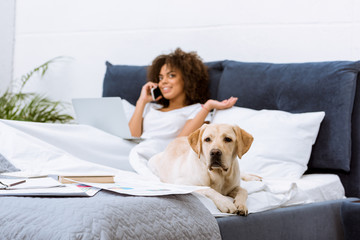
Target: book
<point>87,179</point>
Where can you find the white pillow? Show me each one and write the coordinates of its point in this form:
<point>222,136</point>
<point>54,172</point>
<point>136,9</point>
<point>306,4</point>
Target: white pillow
<point>282,141</point>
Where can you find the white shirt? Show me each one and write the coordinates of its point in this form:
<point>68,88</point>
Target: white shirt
<point>166,125</point>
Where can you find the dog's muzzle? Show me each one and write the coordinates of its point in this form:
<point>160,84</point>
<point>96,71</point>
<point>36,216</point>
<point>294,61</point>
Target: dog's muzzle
<point>215,159</point>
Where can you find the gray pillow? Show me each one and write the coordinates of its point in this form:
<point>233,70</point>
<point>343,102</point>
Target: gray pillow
<point>6,166</point>
<point>299,88</point>
<point>124,81</point>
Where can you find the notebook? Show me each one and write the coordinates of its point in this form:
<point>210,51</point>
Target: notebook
<point>106,113</point>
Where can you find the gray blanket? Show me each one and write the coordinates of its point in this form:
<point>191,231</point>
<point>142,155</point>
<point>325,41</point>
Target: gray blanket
<point>106,216</point>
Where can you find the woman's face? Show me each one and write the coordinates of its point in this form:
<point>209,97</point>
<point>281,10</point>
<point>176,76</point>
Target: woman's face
<point>171,84</point>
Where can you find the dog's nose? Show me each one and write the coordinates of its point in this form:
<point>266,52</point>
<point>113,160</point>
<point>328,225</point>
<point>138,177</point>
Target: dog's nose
<point>215,152</point>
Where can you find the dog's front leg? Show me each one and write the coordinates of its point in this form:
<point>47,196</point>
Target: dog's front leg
<point>240,196</point>
<point>223,203</point>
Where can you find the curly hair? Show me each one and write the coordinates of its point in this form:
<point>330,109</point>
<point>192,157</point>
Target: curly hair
<point>194,74</point>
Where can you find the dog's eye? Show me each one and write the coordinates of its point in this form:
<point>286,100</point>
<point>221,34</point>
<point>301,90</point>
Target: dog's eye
<point>207,139</point>
<point>227,139</point>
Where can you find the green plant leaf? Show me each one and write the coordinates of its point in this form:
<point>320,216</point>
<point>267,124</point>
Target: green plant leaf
<point>32,106</point>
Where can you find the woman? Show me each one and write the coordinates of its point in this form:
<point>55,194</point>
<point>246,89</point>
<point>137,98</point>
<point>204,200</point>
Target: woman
<point>183,81</point>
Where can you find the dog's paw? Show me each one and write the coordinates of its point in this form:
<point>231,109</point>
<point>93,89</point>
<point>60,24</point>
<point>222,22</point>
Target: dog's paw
<point>241,208</point>
<point>225,205</point>
<point>250,177</point>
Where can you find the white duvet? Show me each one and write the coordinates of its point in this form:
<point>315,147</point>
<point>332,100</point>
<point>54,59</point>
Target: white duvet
<point>71,149</point>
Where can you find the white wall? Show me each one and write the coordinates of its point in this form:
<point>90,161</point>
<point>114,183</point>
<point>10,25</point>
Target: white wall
<point>7,32</point>
<point>134,32</point>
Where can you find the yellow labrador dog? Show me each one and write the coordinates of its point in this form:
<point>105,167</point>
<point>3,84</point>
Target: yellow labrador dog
<point>208,158</point>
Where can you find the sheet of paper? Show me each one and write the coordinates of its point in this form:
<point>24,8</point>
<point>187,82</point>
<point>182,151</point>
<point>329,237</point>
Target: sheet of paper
<point>210,205</point>
<point>24,174</point>
<point>33,183</point>
<point>69,190</point>
<point>139,187</point>
<point>6,183</point>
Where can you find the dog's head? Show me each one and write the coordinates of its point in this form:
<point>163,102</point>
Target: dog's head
<point>220,144</point>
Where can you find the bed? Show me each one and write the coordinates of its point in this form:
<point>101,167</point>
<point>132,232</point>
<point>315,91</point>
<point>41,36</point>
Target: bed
<point>308,192</point>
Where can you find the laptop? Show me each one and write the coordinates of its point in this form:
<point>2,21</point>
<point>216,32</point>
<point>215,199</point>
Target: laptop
<point>106,113</point>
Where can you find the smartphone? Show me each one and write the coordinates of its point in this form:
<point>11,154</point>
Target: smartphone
<point>155,93</point>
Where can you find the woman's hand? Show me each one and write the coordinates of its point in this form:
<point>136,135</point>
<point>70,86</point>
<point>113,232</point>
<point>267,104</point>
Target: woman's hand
<point>215,104</point>
<point>136,121</point>
<point>145,95</point>
<point>193,124</point>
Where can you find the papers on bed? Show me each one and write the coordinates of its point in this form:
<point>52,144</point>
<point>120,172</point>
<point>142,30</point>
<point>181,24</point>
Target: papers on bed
<point>144,187</point>
<point>34,183</point>
<point>47,186</point>
<point>130,183</point>
<point>72,190</point>
<point>127,183</point>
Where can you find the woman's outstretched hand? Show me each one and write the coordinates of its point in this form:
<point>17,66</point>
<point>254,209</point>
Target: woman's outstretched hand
<point>224,104</point>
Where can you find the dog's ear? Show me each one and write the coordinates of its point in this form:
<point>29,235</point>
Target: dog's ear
<point>194,140</point>
<point>244,140</point>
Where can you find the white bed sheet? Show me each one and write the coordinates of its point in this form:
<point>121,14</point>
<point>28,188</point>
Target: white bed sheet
<point>309,188</point>
<point>75,141</point>
<point>318,188</point>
